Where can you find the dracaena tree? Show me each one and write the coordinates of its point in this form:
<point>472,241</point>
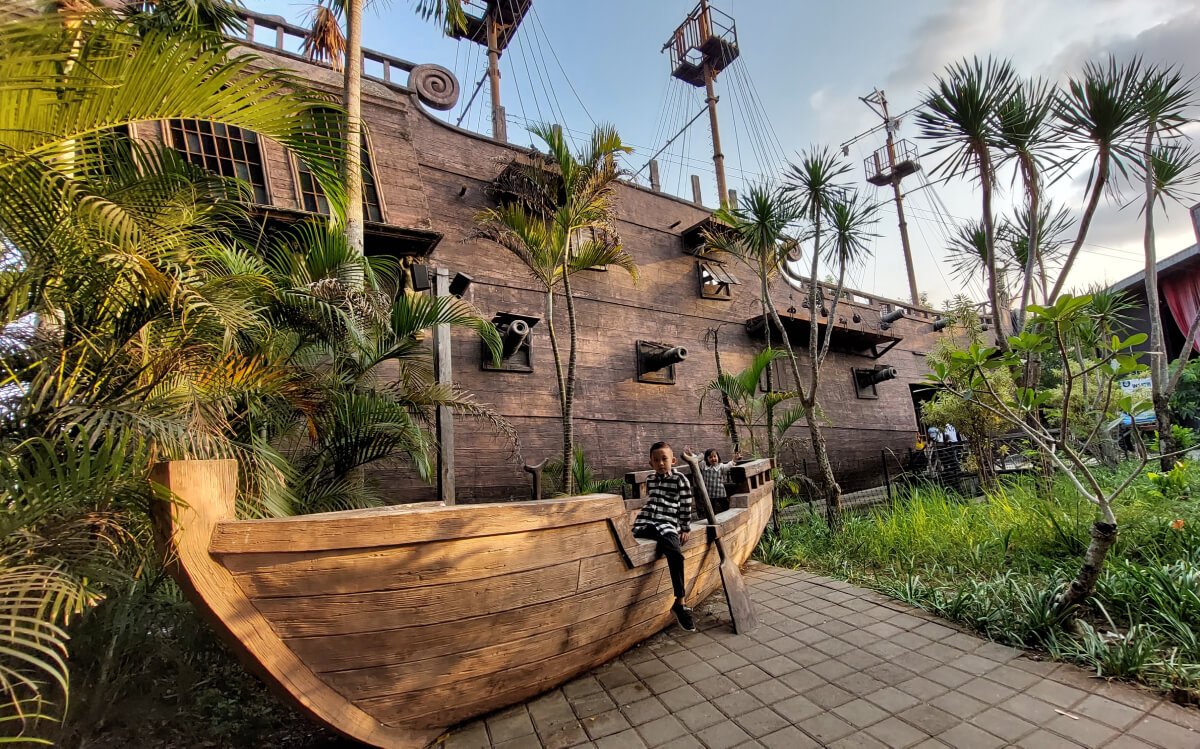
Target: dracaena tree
<point>1099,118</point>
<point>960,113</point>
<point>759,233</point>
<point>1026,136</point>
<point>1168,164</point>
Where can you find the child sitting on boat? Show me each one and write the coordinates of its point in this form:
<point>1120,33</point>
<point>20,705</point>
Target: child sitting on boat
<point>665,519</point>
<point>713,472</point>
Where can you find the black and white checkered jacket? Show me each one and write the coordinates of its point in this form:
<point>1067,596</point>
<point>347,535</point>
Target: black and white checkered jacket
<point>669,505</point>
<point>714,479</point>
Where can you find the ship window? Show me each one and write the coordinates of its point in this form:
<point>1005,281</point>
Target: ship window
<point>716,282</point>
<point>223,149</point>
<point>312,197</point>
<point>588,234</point>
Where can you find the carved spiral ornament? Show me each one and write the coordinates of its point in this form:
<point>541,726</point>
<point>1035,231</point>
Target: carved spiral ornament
<point>436,86</point>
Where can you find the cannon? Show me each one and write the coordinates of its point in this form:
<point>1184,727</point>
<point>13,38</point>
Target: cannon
<point>656,362</point>
<point>879,374</point>
<point>865,380</point>
<point>516,343</point>
<point>513,335</point>
<point>886,321</point>
<point>665,358</point>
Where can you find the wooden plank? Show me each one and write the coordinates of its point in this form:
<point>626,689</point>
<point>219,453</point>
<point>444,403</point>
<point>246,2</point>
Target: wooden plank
<point>412,643</point>
<point>407,524</point>
<point>448,703</point>
<point>392,568</point>
<point>365,612</point>
<point>206,491</point>
<point>602,620</point>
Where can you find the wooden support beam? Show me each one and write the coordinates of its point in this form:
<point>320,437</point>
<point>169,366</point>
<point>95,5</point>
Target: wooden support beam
<point>655,181</point>
<point>696,190</point>
<point>443,375</point>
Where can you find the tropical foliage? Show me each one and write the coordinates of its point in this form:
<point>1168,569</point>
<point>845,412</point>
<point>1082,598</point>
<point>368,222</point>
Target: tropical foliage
<point>144,318</point>
<point>999,566</point>
<point>1075,425</point>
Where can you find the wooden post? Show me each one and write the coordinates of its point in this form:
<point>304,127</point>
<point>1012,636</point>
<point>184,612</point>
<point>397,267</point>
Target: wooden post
<point>499,126</point>
<point>696,190</point>
<point>887,479</point>
<point>732,198</point>
<point>444,422</point>
<point>655,181</point>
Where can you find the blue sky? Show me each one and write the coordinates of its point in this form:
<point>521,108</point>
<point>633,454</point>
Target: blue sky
<point>802,69</point>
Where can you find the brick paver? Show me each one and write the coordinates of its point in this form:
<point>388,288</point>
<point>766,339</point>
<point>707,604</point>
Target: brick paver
<point>832,665</point>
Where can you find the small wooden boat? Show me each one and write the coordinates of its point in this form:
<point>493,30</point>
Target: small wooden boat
<point>392,624</point>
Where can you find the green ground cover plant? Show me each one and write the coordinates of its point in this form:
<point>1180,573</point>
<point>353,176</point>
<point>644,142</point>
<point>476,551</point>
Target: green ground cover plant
<point>998,565</point>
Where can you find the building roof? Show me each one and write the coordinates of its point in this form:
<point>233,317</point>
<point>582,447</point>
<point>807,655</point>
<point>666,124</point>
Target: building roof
<point>1182,260</point>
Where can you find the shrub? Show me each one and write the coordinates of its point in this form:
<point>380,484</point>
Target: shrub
<point>998,566</point>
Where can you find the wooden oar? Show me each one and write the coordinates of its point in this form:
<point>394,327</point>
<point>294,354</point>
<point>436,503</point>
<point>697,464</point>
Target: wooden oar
<point>736,595</point>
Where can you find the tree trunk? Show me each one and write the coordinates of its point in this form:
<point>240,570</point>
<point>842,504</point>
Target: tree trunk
<point>999,314</point>
<point>730,424</point>
<point>1162,418</point>
<point>1104,535</point>
<point>832,491</point>
<point>1158,364</point>
<point>353,100</point>
<point>558,375</point>
<point>1158,345</point>
<point>569,398</point>
<point>1034,191</point>
<point>1084,223</point>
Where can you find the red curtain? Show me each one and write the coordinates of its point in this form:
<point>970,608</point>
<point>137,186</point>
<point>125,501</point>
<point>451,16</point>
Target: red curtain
<point>1182,292</point>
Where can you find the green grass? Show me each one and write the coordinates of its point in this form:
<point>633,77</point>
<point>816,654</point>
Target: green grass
<point>997,566</point>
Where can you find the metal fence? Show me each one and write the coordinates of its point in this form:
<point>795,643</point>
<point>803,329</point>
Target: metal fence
<point>868,482</point>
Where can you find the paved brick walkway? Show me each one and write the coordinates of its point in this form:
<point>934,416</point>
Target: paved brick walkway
<point>839,666</point>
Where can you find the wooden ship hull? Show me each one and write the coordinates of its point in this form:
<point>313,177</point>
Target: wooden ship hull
<point>392,624</point>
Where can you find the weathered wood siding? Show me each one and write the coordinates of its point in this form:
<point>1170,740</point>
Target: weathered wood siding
<point>423,166</point>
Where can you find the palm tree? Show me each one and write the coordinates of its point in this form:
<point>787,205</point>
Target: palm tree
<point>1167,166</point>
<point>134,325</point>
<point>562,221</point>
<point>1026,136</point>
<point>326,42</point>
<point>961,113</point>
<point>1099,114</point>
<point>350,337</point>
<point>747,405</point>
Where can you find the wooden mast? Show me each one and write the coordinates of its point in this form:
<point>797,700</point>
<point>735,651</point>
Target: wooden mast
<point>898,195</point>
<point>494,30</point>
<point>499,126</point>
<point>710,76</point>
<point>701,47</point>
<point>897,170</point>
